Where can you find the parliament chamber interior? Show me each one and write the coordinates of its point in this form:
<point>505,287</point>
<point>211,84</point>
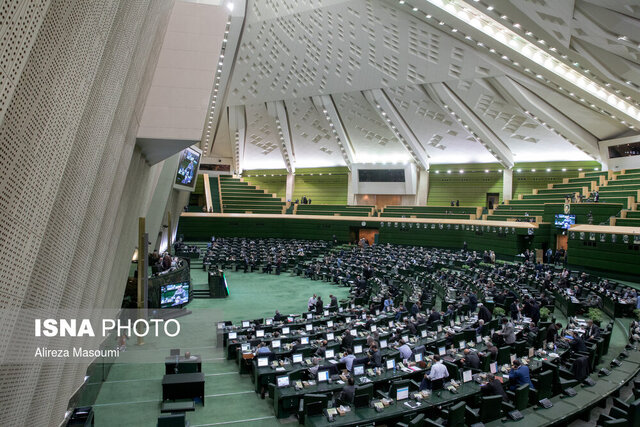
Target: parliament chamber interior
<point>320,213</point>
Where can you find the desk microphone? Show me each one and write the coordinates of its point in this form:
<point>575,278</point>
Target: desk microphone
<point>175,369</point>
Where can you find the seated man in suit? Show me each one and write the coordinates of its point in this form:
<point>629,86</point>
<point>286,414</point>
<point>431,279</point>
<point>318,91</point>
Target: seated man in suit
<point>493,387</point>
<point>348,391</point>
<point>471,359</point>
<point>592,332</point>
<point>519,375</point>
<point>576,344</point>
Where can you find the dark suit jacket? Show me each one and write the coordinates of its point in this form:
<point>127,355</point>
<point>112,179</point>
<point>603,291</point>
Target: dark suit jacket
<point>472,360</point>
<point>494,388</point>
<point>484,314</point>
<point>347,341</point>
<point>348,392</point>
<point>592,332</point>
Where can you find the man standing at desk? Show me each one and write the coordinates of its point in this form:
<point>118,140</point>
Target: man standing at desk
<point>348,391</point>
<point>375,358</point>
<point>347,340</point>
<point>311,305</point>
<point>348,359</point>
<point>519,375</point>
<point>508,332</point>
<point>405,350</point>
<point>438,371</point>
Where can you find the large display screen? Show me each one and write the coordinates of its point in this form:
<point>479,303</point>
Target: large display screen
<point>565,221</point>
<point>381,175</point>
<point>188,166</point>
<point>174,295</point>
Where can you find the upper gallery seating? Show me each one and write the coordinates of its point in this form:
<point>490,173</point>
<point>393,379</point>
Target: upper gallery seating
<point>240,197</point>
<point>450,212</point>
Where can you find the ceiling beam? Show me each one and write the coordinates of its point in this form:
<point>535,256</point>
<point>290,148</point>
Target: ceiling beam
<point>548,115</point>
<point>278,110</point>
<point>325,105</point>
<point>395,122</point>
<point>222,78</point>
<point>238,134</point>
<point>476,127</point>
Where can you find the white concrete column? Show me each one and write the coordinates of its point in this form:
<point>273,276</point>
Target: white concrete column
<point>507,184</point>
<point>350,197</point>
<point>423,188</point>
<point>289,187</point>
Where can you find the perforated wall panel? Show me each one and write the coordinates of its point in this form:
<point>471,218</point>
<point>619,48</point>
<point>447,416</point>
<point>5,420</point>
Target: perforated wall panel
<point>73,77</point>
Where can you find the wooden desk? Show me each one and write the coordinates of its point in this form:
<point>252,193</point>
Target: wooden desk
<point>183,366</point>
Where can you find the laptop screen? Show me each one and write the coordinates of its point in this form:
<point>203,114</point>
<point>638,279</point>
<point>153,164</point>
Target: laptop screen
<point>309,316</point>
<point>442,351</point>
<point>246,346</point>
<point>285,330</point>
<point>329,354</point>
<point>330,324</point>
<point>309,327</point>
<point>297,358</point>
<point>304,340</point>
<point>353,333</point>
<point>405,338</point>
<point>275,344</point>
<point>462,344</point>
<point>268,321</point>
<point>383,344</point>
<point>330,336</point>
<point>467,376</point>
<point>245,323</point>
<point>283,381</point>
<point>391,363</point>
<point>233,335</point>
<point>417,357</point>
<point>402,393</point>
<point>423,333</point>
<point>323,376</point>
<point>358,370</point>
<point>374,328</point>
<point>357,349</point>
<point>260,333</point>
<point>263,361</point>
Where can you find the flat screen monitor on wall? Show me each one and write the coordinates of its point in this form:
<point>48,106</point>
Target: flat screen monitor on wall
<point>188,166</point>
<point>564,221</point>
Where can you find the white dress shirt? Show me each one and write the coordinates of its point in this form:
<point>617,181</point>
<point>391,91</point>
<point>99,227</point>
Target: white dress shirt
<point>438,370</point>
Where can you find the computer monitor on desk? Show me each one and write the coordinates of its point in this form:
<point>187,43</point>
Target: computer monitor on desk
<point>285,330</point>
<point>493,367</point>
<point>442,351</point>
<point>259,333</point>
<point>391,363</point>
<point>402,393</point>
<point>358,370</point>
<point>330,336</point>
<point>383,344</point>
<point>323,376</point>
<point>304,340</point>
<point>329,354</point>
<point>297,358</point>
<point>233,335</point>
<point>268,322</point>
<point>282,381</point>
<point>263,361</point>
<point>357,349</point>
<point>245,323</point>
<point>308,327</point>
<point>275,344</point>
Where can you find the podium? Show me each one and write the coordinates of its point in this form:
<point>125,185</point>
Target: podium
<point>218,284</point>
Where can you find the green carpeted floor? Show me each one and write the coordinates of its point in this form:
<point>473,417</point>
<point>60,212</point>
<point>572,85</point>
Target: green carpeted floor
<point>132,393</point>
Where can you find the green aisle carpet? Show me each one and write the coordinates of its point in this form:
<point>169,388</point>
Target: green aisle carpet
<point>132,393</point>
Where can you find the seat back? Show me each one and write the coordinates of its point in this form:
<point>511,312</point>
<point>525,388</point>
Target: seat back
<point>545,385</point>
<point>363,395</point>
<point>490,408</point>
<point>314,404</point>
<point>521,397</point>
<point>456,414</point>
<point>454,371</point>
<point>504,355</point>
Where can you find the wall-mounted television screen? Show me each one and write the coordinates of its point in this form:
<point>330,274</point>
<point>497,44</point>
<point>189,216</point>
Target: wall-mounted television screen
<point>565,221</point>
<point>174,295</point>
<point>188,166</point>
